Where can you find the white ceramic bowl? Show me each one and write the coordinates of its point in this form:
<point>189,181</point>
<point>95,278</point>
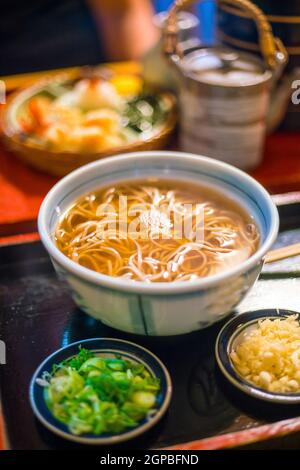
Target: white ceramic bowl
<point>159,308</point>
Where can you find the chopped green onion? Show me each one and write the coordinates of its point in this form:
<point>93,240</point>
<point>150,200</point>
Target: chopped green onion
<point>97,395</point>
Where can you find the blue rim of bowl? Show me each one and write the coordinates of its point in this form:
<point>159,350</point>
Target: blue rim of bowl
<point>127,349</point>
<point>230,331</point>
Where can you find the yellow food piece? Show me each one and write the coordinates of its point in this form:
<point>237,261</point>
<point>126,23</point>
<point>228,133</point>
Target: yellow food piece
<point>58,137</point>
<point>73,131</point>
<point>64,115</point>
<point>107,119</point>
<point>269,355</point>
<point>87,139</point>
<point>86,119</point>
<point>127,85</point>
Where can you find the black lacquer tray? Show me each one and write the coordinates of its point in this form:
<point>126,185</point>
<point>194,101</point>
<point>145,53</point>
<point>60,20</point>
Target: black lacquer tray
<point>37,316</point>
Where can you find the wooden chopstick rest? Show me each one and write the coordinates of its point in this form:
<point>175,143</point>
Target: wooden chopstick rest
<point>282,253</point>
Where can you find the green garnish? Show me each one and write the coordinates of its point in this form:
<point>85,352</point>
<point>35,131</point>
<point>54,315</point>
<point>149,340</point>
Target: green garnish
<point>143,112</point>
<point>97,395</point>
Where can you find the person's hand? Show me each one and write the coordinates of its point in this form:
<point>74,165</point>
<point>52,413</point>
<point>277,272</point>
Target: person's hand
<point>125,26</point>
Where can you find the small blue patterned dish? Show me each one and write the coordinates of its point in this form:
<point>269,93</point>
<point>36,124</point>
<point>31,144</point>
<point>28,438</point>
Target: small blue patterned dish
<point>229,337</point>
<point>106,347</point>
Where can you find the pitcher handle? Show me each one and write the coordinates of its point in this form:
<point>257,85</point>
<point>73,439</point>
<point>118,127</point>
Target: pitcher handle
<point>272,48</point>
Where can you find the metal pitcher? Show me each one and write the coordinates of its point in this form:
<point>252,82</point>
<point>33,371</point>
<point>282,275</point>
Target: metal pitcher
<point>224,94</point>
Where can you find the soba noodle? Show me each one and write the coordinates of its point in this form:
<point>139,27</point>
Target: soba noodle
<point>152,235</point>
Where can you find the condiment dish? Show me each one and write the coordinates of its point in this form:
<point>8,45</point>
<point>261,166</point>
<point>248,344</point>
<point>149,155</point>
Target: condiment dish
<point>102,348</point>
<point>230,336</point>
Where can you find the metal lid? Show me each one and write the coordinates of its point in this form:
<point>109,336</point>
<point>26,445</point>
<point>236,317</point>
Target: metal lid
<point>224,67</point>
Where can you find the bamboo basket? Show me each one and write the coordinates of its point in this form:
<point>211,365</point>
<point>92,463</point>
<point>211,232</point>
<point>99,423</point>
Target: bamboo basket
<point>60,163</point>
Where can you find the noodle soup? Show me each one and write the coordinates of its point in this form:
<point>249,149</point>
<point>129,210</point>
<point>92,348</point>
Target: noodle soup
<point>157,231</point>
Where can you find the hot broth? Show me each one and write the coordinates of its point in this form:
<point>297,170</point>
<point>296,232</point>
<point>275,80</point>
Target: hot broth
<point>157,231</point>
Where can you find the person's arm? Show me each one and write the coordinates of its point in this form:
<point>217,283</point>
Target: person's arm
<point>125,26</point>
